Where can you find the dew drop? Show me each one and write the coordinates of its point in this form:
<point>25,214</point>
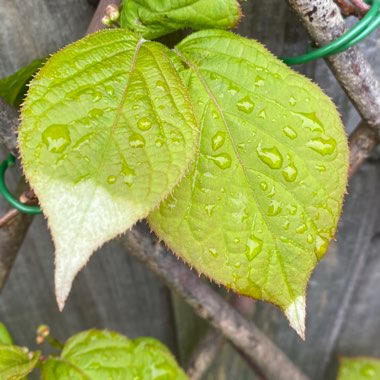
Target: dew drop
<point>236,240</point>
<point>310,239</point>
<point>245,105</point>
<point>263,186</point>
<point>301,229</point>
<point>290,173</point>
<point>56,138</point>
<point>286,225</point>
<point>290,132</point>
<point>96,113</point>
<point>274,208</point>
<point>159,142</point>
<point>111,179</point>
<point>270,156</point>
<point>233,90</point>
<point>144,124</point>
<point>213,252</point>
<point>321,244</point>
<point>129,175</point>
<point>160,85</point>
<point>171,202</point>
<point>218,140</point>
<point>322,145</point>
<point>209,209</point>
<point>215,115</point>
<point>253,247</point>
<point>292,101</point>
<point>241,146</point>
<point>320,168</point>
<point>262,114</point>
<point>237,264</point>
<point>110,90</point>
<point>222,160</point>
<point>259,81</point>
<point>136,140</point>
<point>292,209</point>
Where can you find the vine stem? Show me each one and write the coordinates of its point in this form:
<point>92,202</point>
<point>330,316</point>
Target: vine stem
<point>208,304</point>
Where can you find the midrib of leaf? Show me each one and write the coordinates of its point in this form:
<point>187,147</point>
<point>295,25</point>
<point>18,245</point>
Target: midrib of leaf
<point>108,142</point>
<point>221,113</point>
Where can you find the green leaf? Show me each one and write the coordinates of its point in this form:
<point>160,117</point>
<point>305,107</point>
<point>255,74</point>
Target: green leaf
<point>5,337</point>
<point>359,368</point>
<point>107,132</point>
<point>263,197</point>
<point>14,87</point>
<point>95,354</point>
<point>16,362</point>
<point>152,18</point>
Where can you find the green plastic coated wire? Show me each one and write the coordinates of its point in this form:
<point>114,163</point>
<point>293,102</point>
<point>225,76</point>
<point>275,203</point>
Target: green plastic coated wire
<point>356,34</point>
<point>22,207</point>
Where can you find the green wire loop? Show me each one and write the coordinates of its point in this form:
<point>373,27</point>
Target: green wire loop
<point>356,34</point>
<point>22,207</point>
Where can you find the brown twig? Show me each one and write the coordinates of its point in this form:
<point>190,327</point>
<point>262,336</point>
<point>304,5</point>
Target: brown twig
<point>207,350</point>
<point>361,6</point>
<point>211,306</point>
<point>347,8</point>
<point>12,234</point>
<point>205,354</point>
<point>363,142</point>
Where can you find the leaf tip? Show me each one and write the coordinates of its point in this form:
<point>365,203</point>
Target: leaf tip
<point>296,314</point>
<point>63,283</point>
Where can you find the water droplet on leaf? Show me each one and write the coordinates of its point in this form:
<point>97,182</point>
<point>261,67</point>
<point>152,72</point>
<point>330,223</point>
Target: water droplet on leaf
<point>290,132</point>
<point>290,173</point>
<point>209,209</point>
<point>144,124</point>
<point>56,138</point>
<point>322,145</point>
<point>321,244</point>
<point>136,141</point>
<point>245,105</point>
<point>111,179</point>
<point>259,81</point>
<point>270,156</point>
<point>292,101</point>
<point>274,208</point>
<point>222,160</point>
<point>253,247</point>
<point>218,140</point>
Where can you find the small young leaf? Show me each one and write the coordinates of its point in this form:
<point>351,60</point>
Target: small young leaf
<point>359,368</point>
<point>263,197</point>
<point>14,87</point>
<point>5,337</point>
<point>16,362</point>
<point>152,18</point>
<point>107,131</point>
<point>94,354</point>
